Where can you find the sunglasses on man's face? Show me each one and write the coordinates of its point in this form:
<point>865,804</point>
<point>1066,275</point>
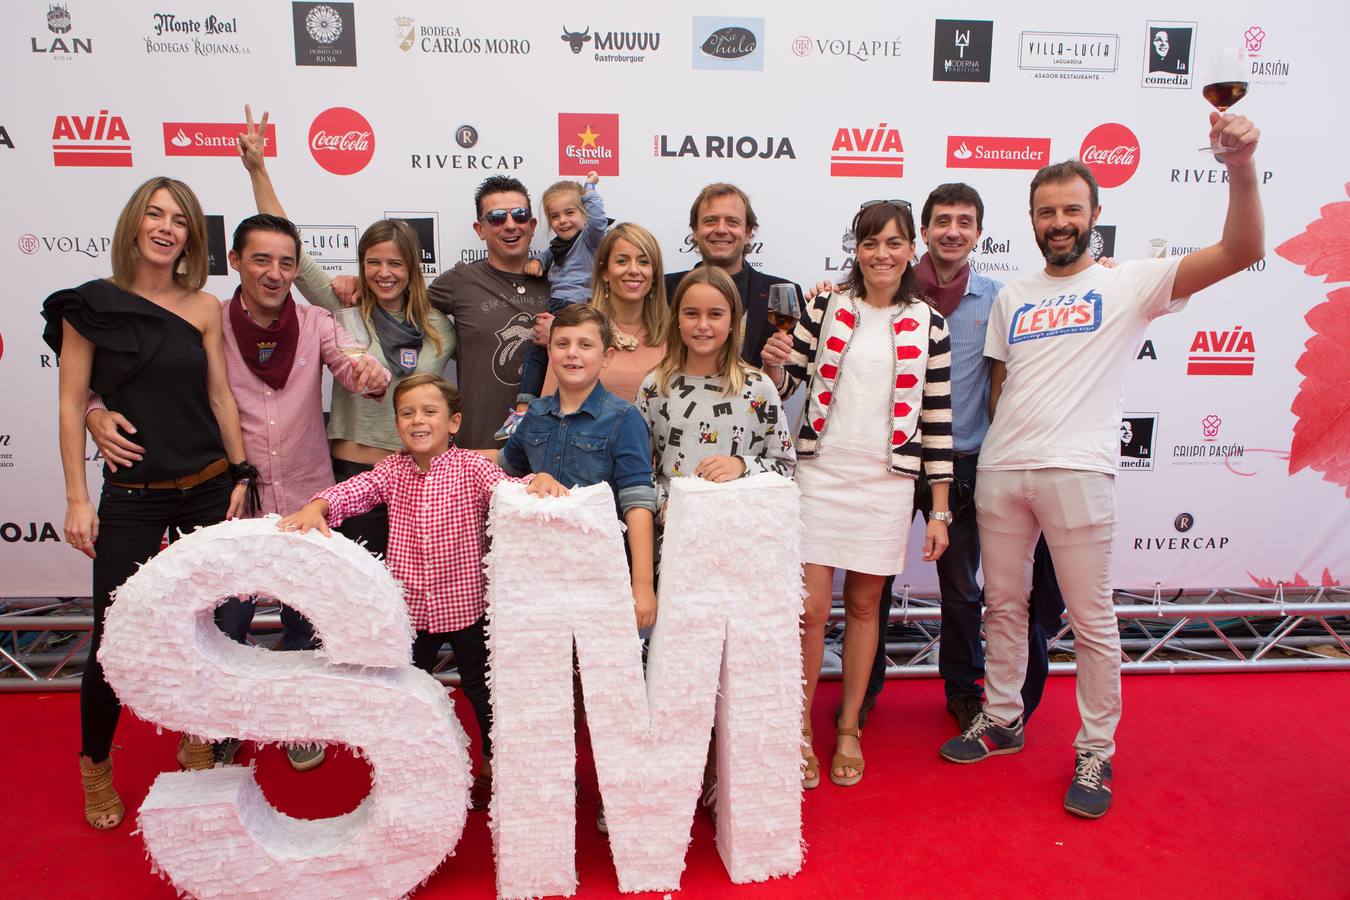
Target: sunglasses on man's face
<point>497,217</point>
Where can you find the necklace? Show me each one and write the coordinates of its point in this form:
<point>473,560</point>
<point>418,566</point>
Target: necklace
<point>625,341</point>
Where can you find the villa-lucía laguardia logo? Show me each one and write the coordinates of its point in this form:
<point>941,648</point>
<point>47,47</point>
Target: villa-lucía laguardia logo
<point>333,247</point>
<point>325,33</point>
<point>61,41</point>
<point>728,43</point>
<point>1068,55</point>
<point>588,142</point>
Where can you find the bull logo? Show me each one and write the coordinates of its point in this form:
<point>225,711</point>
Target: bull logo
<point>576,38</point>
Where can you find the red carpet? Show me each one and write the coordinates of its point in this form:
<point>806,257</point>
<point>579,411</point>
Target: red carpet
<point>1225,785</point>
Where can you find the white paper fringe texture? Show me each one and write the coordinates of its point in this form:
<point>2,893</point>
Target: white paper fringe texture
<point>729,607</point>
<point>212,833</point>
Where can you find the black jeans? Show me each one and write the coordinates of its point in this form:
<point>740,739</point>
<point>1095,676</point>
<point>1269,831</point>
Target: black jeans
<point>960,652</point>
<point>469,645</point>
<point>132,522</point>
<point>235,615</point>
<point>370,528</point>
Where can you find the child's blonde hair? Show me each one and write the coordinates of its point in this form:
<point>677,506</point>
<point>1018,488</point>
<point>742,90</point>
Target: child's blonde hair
<point>556,188</point>
<point>730,366</point>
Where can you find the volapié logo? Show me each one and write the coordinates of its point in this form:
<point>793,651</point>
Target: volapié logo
<point>962,49</point>
<point>1222,353</point>
<point>1137,434</point>
<point>1111,151</point>
<point>1169,55</point>
<point>428,228</point>
<point>325,33</point>
<point>804,46</point>
<point>341,140</point>
<point>588,142</point>
<point>211,139</point>
<point>723,43</point>
<point>722,146</point>
<point>1068,55</point>
<point>60,43</point>
<point>100,140</point>
<point>92,246</point>
<point>466,137</point>
<point>966,151</point>
<point>875,152</point>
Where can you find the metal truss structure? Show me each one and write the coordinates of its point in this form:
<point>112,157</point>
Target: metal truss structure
<point>44,643</point>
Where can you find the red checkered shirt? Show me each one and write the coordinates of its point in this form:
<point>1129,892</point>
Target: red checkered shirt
<point>436,529</point>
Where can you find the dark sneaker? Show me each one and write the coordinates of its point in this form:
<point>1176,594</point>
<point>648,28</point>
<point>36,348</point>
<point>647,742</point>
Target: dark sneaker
<point>1089,793</point>
<point>225,751</point>
<point>983,738</point>
<point>304,757</point>
<point>964,707</point>
<point>508,428</point>
<point>600,824</point>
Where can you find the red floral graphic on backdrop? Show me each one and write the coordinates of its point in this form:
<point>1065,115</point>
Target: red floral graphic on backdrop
<point>1322,405</point>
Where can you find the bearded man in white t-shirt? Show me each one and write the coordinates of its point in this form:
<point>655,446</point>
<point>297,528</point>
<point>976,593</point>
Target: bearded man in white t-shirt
<point>1060,342</point>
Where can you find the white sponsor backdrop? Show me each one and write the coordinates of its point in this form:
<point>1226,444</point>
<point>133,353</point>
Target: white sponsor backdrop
<point>424,70</point>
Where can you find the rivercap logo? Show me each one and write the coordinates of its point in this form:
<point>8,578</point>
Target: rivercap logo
<point>466,136</point>
<point>723,43</point>
<point>1184,522</point>
<point>341,140</point>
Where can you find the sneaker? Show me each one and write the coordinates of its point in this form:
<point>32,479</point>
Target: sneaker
<point>1089,793</point>
<point>600,824</point>
<point>983,738</point>
<point>304,757</point>
<point>226,750</point>
<point>509,426</point>
<point>964,707</point>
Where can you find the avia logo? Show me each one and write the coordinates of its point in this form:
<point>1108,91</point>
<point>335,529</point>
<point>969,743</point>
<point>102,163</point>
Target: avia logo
<point>1111,151</point>
<point>970,152</point>
<point>717,146</point>
<point>867,153</point>
<point>100,140</point>
<point>211,139</point>
<point>588,142</point>
<point>341,140</point>
<point>1222,353</point>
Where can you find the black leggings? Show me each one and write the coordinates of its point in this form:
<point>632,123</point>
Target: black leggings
<point>470,649</point>
<point>370,528</point>
<point>132,522</point>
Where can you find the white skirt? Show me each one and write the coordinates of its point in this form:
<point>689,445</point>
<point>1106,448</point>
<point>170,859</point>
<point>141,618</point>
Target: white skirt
<point>855,511</point>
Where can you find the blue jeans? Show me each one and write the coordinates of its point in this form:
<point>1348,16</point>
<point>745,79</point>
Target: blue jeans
<point>235,615</point>
<point>960,652</point>
<point>535,367</point>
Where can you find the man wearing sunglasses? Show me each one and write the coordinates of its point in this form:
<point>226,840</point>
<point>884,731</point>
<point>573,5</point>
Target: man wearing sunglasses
<point>493,304</point>
<point>722,222</point>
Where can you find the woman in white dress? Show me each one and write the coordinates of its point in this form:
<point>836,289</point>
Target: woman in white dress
<point>876,360</point>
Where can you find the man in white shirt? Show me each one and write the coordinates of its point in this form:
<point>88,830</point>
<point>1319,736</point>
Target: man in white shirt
<point>1060,342</point>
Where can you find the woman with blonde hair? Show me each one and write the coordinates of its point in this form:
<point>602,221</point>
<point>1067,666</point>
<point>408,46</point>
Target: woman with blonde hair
<point>149,341</point>
<point>407,335</point>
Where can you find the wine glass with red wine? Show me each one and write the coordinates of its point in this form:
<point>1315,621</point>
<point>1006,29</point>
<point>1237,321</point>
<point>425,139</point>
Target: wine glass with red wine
<point>785,307</point>
<point>1225,84</point>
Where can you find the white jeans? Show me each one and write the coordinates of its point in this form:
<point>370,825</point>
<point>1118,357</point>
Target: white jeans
<point>1077,512</point>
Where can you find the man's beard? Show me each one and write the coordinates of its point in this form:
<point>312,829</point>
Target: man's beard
<point>1064,257</point>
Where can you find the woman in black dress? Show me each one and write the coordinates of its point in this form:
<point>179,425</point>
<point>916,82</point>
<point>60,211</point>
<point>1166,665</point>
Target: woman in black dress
<point>147,339</point>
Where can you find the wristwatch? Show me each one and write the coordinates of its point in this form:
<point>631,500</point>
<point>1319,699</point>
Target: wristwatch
<point>945,517</point>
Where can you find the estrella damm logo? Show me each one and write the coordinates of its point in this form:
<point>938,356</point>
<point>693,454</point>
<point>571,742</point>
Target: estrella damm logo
<point>1053,316</point>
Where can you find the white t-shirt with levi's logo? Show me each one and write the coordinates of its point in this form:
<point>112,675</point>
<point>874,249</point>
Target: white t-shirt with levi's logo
<point>1066,343</point>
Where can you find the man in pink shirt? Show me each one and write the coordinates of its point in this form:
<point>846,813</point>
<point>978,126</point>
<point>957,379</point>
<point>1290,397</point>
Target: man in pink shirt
<point>275,353</point>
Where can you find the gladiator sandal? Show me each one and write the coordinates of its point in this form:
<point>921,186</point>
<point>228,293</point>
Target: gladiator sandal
<point>195,754</point>
<point>102,807</point>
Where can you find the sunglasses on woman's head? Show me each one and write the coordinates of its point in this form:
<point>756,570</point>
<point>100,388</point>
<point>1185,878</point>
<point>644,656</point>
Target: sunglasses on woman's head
<point>903,204</point>
<point>497,217</point>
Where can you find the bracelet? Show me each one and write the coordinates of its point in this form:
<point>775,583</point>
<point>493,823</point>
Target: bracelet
<point>244,471</point>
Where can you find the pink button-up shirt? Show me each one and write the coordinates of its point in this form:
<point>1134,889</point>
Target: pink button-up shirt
<point>436,529</point>
<point>284,429</point>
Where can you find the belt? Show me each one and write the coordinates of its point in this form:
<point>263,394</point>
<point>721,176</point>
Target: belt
<point>187,482</point>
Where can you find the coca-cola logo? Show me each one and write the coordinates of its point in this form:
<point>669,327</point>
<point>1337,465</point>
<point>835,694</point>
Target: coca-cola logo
<point>341,140</point>
<point>1111,151</point>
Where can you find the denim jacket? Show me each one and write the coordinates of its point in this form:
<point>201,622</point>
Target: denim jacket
<point>605,440</point>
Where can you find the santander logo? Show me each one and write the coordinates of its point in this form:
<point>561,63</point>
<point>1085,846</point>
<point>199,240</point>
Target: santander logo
<point>1111,151</point>
<point>341,140</point>
<point>968,151</point>
<point>211,139</point>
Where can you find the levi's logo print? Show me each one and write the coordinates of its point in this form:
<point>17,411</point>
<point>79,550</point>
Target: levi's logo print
<point>1053,316</point>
